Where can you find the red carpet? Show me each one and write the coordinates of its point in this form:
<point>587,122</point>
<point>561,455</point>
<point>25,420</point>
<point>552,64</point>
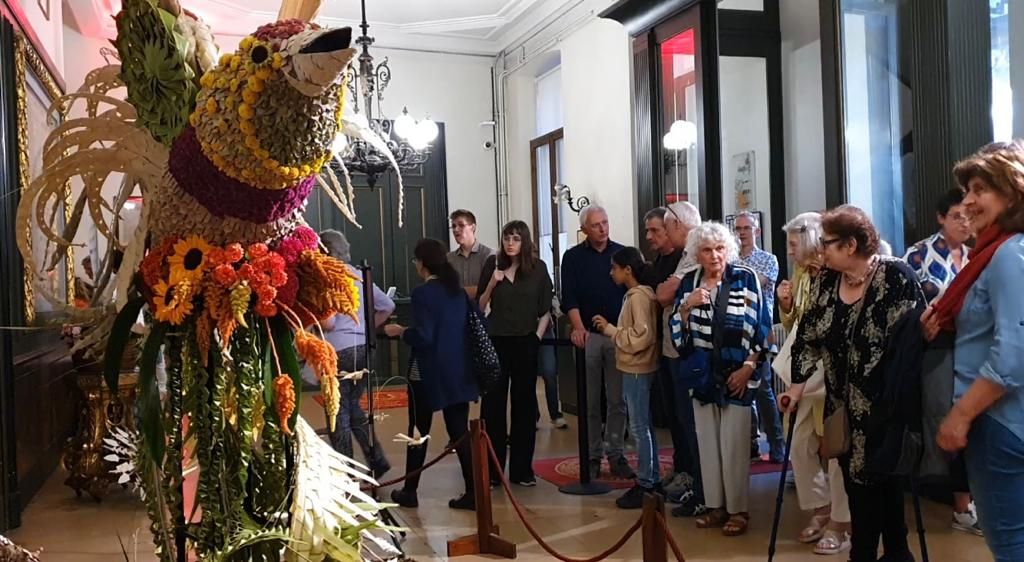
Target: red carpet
<point>382,399</point>
<point>564,470</point>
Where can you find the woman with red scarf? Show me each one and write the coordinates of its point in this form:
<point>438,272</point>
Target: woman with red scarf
<point>985,308</point>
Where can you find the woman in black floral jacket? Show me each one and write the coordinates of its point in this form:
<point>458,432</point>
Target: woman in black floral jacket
<point>849,325</point>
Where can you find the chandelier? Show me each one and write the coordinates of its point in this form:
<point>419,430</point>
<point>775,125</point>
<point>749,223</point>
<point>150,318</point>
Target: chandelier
<point>407,139</point>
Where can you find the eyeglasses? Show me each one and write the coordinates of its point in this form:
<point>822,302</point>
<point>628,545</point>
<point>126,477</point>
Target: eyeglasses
<point>959,217</point>
<point>825,243</point>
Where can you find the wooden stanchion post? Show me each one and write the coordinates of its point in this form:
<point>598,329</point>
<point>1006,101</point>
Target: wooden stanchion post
<point>486,539</point>
<point>655,544</point>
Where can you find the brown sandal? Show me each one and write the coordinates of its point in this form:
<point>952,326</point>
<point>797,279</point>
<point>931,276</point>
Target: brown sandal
<point>713,519</point>
<point>736,525</point>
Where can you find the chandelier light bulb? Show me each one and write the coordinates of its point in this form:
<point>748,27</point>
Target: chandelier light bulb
<point>405,125</point>
<point>681,136</point>
<point>418,140</point>
<point>428,129</point>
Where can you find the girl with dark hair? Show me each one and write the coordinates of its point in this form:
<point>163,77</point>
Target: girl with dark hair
<point>636,356</point>
<point>516,286</point>
<point>440,375</point>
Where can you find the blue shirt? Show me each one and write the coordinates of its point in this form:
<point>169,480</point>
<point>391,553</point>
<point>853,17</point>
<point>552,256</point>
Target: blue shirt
<point>990,334</point>
<point>765,265</point>
<point>587,283</point>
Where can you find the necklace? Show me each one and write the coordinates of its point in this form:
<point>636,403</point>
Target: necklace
<point>858,281</point>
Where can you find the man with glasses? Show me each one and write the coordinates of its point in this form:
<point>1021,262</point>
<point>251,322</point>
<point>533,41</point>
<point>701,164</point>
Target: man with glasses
<point>468,259</point>
<point>587,292</point>
<point>936,261</point>
<point>766,265</point>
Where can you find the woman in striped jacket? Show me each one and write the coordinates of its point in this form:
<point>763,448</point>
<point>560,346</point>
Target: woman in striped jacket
<point>720,328</point>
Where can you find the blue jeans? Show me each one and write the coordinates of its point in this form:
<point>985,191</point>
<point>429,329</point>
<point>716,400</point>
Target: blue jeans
<point>684,415</point>
<point>636,389</point>
<point>548,369</point>
<point>995,470</point>
<point>768,414</point>
<point>352,420</point>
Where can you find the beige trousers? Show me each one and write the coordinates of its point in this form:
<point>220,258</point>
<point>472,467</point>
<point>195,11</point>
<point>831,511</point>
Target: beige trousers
<point>814,487</point>
<point>723,439</point>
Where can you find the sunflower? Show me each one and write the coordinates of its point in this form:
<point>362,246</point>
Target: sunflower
<point>189,260</point>
<point>173,302</point>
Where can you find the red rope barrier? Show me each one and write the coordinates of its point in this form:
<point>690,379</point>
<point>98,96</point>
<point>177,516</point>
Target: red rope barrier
<point>533,532</point>
<point>447,451</point>
<point>670,539</point>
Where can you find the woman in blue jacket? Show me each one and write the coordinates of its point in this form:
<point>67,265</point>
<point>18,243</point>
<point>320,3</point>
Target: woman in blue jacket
<point>984,306</point>
<point>440,377</point>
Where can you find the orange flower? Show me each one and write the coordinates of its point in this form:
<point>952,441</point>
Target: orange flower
<point>284,399</point>
<point>233,253</point>
<point>326,285</point>
<point>331,394</point>
<point>152,267</point>
<point>225,275</point>
<point>258,250</point>
<point>318,353</point>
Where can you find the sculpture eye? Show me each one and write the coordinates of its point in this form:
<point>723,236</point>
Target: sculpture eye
<point>259,54</point>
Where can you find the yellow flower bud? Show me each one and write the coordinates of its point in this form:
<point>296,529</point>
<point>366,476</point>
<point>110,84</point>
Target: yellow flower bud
<point>233,85</point>
<point>252,141</point>
<point>245,111</point>
<point>255,84</point>
<point>277,62</point>
<point>225,59</point>
<point>246,42</point>
<point>247,127</point>
<point>250,96</point>
<point>263,73</point>
<point>236,61</point>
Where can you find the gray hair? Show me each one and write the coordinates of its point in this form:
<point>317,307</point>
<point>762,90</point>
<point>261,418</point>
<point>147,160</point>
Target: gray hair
<point>585,213</point>
<point>337,245</point>
<point>806,228</point>
<point>685,213</point>
<point>748,215</point>
<point>884,248</point>
<point>712,232</point>
<point>656,213</point>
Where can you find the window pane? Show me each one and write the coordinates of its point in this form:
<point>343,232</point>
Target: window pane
<point>679,107</point>
<point>751,5</point>
<point>1003,115</point>
<point>877,115</point>
<point>542,159</point>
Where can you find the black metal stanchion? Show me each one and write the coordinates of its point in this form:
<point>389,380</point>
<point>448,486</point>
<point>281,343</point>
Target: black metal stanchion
<point>585,487</point>
<point>370,333</point>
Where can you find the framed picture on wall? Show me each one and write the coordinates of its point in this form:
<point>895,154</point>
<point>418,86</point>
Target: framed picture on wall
<point>744,180</point>
<point>38,116</point>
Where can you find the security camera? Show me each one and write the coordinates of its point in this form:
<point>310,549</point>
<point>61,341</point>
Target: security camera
<point>488,145</point>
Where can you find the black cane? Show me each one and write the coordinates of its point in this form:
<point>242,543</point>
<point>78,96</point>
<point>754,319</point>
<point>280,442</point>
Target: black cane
<point>782,479</point>
<point>918,518</point>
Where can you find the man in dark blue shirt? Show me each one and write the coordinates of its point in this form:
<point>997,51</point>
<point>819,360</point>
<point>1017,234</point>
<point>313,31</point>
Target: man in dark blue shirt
<point>588,291</point>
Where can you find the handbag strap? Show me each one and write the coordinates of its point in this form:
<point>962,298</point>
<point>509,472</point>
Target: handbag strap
<point>718,320</point>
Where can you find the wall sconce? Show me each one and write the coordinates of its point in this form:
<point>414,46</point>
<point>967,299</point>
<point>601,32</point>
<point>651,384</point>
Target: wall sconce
<point>563,193</point>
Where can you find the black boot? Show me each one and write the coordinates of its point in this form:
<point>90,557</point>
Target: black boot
<point>467,500</point>
<point>415,455</point>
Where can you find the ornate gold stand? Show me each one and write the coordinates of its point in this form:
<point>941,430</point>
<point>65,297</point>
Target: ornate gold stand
<point>83,454</point>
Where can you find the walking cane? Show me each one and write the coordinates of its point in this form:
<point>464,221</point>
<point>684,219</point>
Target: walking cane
<point>918,518</point>
<point>782,480</point>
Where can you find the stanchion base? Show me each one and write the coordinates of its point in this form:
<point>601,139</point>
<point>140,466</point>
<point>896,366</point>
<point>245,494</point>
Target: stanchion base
<point>470,545</point>
<point>588,489</point>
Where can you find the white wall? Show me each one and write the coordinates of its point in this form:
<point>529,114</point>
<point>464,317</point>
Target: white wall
<point>803,121</point>
<point>597,162</point>
<point>48,26</point>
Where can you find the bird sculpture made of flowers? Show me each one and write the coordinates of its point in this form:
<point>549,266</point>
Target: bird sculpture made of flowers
<point>225,150</point>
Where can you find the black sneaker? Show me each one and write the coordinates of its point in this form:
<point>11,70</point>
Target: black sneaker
<point>620,469</point>
<point>633,498</point>
<point>689,506</point>
<point>466,501</point>
<point>404,499</point>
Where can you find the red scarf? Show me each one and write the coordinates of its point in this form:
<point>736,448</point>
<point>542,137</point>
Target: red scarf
<point>948,307</point>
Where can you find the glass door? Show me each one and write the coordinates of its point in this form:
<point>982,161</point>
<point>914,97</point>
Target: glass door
<point>680,112</point>
<point>550,224</point>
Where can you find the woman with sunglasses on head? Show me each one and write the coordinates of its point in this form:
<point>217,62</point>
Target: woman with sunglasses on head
<point>515,285</point>
<point>440,375</point>
<point>984,307</point>
<point>860,308</point>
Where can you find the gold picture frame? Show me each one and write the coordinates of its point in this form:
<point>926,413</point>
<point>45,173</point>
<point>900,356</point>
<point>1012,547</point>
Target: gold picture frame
<point>37,91</point>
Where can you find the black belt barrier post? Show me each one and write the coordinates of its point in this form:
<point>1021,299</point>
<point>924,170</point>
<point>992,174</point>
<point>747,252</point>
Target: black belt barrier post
<point>585,487</point>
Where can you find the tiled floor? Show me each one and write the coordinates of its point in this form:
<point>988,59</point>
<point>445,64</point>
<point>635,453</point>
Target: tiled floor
<point>79,530</point>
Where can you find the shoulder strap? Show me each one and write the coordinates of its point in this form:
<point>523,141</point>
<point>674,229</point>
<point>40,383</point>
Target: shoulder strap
<point>718,318</point>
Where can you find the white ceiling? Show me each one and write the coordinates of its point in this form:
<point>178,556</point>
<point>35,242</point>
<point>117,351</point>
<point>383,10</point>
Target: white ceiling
<point>464,26</point>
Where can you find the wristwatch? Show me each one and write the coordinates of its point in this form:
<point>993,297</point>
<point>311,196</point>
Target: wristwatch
<point>750,364</point>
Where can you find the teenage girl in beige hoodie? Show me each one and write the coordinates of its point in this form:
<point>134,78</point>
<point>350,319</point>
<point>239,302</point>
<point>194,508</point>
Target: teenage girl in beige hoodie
<point>636,355</point>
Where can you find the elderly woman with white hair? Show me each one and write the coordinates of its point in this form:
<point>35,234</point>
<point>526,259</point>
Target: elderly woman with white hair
<point>818,490</point>
<point>720,328</point>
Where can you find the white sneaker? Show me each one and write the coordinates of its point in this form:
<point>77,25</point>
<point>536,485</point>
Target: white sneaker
<point>560,423</point>
<point>968,522</point>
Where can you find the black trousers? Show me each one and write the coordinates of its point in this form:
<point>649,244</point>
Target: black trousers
<point>518,357</point>
<point>456,423</point>
<point>664,387</point>
<point>876,511</point>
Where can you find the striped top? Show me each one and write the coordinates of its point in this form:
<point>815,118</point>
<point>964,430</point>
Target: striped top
<point>747,320</point>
